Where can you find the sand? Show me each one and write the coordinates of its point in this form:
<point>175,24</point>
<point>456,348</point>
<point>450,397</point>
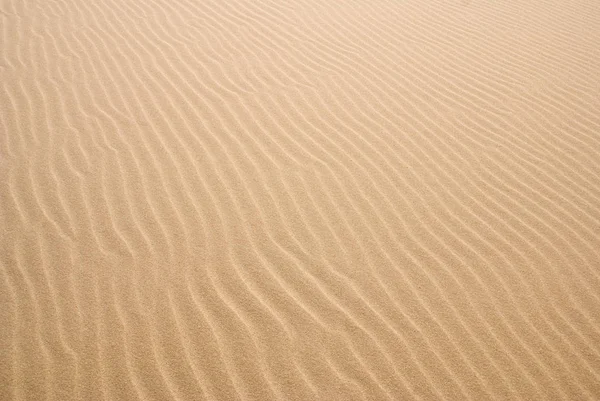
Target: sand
<point>299,200</point>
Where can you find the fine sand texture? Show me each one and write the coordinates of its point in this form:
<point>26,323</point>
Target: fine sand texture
<point>299,200</point>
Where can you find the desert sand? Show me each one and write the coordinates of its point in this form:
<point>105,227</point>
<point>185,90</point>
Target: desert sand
<point>299,200</point>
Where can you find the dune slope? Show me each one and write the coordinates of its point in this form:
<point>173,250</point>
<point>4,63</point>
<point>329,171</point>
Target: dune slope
<point>299,200</point>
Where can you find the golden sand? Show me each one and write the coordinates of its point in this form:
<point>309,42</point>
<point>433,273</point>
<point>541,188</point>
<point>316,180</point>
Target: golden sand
<point>299,200</point>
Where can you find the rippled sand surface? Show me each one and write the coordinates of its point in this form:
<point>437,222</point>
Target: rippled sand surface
<point>299,200</point>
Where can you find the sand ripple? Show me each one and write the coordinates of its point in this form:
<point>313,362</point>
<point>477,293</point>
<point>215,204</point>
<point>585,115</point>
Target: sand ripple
<point>299,200</point>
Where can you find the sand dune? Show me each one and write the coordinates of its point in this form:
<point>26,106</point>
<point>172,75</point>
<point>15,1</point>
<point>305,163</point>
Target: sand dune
<point>300,200</point>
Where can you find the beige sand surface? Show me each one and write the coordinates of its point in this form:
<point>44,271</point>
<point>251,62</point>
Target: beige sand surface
<point>299,200</point>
